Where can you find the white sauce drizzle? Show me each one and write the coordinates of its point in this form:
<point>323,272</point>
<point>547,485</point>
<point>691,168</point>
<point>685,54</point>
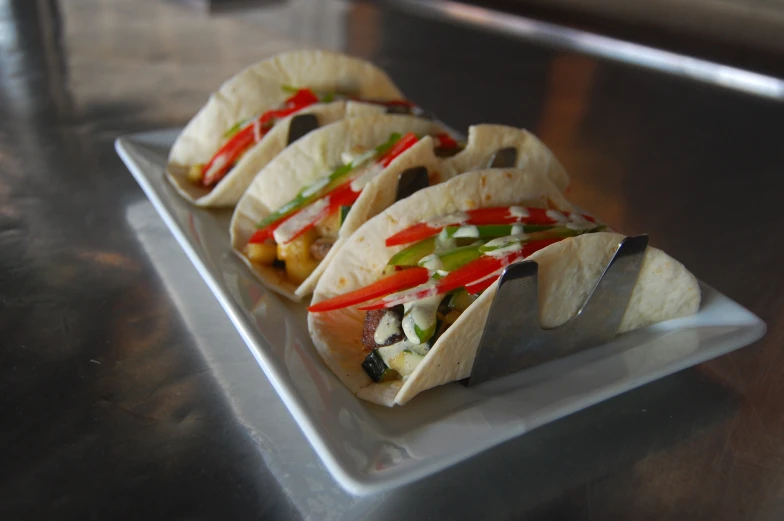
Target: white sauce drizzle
<point>444,242</point>
<point>555,215</point>
<point>518,212</point>
<point>432,262</point>
<point>286,231</point>
<point>388,326</point>
<point>421,314</point>
<point>505,248</point>
<point>415,356</point>
<point>518,229</point>
<point>466,232</point>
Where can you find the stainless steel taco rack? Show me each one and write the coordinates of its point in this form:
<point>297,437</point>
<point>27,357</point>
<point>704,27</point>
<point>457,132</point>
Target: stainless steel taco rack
<point>513,339</point>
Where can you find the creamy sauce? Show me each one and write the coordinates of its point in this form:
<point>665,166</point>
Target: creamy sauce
<point>518,229</point>
<point>420,314</point>
<point>466,232</point>
<point>432,262</point>
<point>285,232</point>
<point>391,355</point>
<point>518,212</point>
<point>387,353</point>
<point>555,215</point>
<point>444,242</point>
<point>504,246</point>
<point>388,326</point>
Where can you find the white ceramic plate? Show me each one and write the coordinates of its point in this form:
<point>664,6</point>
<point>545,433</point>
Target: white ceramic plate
<point>368,448</point>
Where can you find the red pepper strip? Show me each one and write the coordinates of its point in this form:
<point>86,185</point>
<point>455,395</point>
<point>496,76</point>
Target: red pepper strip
<point>395,102</point>
<point>344,198</point>
<point>444,140</point>
<point>404,143</point>
<point>399,281</point>
<point>502,215</point>
<point>228,154</point>
<point>473,272</point>
<point>482,284</point>
<point>343,195</point>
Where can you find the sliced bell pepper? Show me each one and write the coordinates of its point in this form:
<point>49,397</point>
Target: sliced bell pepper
<point>413,254</point>
<point>220,163</point>
<point>404,143</point>
<point>452,259</point>
<point>399,281</point>
<point>444,140</point>
<point>489,231</point>
<point>312,214</point>
<point>472,272</point>
<point>482,216</point>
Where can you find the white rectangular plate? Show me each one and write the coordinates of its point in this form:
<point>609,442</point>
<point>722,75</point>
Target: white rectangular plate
<point>368,448</point>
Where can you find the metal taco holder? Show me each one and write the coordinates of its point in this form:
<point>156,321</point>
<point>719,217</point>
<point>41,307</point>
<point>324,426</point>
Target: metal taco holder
<point>513,340</point>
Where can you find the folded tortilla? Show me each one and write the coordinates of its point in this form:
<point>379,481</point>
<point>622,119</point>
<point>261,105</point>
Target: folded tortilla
<point>257,89</point>
<point>483,142</point>
<point>568,270</point>
<point>310,158</point>
<point>266,194</point>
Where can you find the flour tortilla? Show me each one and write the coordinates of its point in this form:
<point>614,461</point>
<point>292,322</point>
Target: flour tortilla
<point>567,272</point>
<point>302,163</point>
<point>259,88</point>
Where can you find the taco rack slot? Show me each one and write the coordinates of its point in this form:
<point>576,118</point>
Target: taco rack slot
<point>503,350</point>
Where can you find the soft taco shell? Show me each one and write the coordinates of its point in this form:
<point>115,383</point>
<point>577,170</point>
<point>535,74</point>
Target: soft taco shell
<point>229,190</point>
<point>300,164</point>
<point>361,260</point>
<point>259,87</point>
<point>483,142</point>
<point>567,272</point>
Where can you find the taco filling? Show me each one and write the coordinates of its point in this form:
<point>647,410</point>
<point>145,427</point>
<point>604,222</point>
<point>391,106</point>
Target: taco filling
<point>447,263</point>
<point>243,135</point>
<point>297,236</point>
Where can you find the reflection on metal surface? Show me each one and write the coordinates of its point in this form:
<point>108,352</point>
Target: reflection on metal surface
<point>605,47</point>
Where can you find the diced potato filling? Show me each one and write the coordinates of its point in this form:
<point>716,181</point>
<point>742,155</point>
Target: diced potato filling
<point>196,173</point>
<point>262,253</point>
<point>296,254</point>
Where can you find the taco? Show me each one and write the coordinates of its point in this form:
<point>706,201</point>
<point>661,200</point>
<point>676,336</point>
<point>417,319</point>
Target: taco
<point>277,227</point>
<point>401,308</point>
<point>255,114</point>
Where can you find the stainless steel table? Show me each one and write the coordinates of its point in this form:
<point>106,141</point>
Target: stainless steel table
<point>122,396</point>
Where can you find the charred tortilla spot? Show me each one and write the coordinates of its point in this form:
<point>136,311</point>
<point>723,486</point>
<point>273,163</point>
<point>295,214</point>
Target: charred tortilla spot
<point>341,282</point>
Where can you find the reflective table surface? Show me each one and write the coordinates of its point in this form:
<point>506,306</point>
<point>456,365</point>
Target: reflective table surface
<point>126,394</point>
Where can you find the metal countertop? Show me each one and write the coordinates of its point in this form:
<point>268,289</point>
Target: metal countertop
<point>114,402</point>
